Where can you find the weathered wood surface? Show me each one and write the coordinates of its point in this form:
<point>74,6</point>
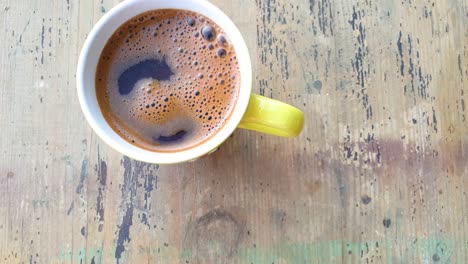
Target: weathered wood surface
<point>379,174</point>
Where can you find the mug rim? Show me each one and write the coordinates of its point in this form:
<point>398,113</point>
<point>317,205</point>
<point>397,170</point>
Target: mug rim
<point>87,65</point>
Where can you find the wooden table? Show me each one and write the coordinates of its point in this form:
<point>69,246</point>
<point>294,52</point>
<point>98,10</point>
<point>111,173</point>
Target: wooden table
<point>378,175</point>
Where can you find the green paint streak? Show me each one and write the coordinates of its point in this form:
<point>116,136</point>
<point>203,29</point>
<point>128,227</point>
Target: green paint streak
<point>96,253</point>
<point>40,203</point>
<point>67,159</point>
<point>390,251</point>
<point>186,254</point>
<point>67,254</point>
<point>335,250</point>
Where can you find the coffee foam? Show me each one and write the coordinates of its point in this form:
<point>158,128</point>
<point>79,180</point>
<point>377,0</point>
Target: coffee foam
<point>167,80</point>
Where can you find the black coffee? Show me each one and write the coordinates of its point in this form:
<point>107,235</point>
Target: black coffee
<point>167,80</point>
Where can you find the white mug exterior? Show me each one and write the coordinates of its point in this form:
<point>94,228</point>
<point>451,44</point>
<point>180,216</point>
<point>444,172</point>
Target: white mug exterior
<point>91,52</point>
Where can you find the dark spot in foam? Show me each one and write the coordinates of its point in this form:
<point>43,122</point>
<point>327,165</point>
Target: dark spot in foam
<point>172,138</point>
<point>221,53</point>
<point>191,22</point>
<point>151,68</point>
<point>222,41</point>
<point>208,33</point>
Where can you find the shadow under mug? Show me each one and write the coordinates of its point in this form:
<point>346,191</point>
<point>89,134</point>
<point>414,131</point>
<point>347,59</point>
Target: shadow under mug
<point>251,111</point>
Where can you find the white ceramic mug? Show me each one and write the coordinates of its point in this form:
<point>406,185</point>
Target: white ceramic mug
<point>282,116</point>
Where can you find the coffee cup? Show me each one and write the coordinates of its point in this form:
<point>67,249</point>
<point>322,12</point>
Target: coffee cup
<point>250,111</point>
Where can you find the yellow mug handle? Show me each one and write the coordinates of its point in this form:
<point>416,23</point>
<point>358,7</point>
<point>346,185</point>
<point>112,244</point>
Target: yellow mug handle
<point>272,117</point>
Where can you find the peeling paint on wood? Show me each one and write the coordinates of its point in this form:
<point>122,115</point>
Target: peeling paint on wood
<point>379,174</point>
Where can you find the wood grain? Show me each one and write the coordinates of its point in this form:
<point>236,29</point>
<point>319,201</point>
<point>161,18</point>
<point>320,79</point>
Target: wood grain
<point>378,175</point>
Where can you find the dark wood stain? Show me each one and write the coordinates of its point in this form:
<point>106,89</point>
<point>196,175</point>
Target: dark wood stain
<point>217,228</point>
<point>101,169</point>
<point>365,199</point>
<point>387,222</point>
<point>83,174</point>
<point>70,208</point>
<point>128,190</point>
